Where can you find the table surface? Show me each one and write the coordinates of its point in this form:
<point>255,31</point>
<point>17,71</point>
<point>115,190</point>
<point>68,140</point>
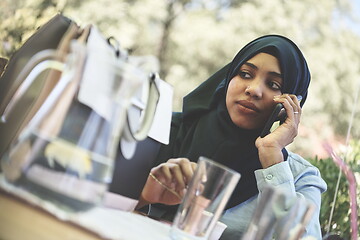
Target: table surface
<point>24,216</point>
<point>20,220</point>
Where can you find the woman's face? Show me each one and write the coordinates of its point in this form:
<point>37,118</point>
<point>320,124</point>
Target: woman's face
<point>249,98</point>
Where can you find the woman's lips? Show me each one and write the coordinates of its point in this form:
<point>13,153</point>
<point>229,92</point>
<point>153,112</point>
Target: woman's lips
<point>247,107</point>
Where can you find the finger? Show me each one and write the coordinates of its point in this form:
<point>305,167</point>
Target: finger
<point>296,108</point>
<point>288,99</point>
<point>297,100</point>
<point>185,166</point>
<point>187,169</point>
<point>162,172</point>
<point>193,166</point>
<point>290,106</point>
<point>292,110</point>
<point>178,177</point>
<point>295,103</point>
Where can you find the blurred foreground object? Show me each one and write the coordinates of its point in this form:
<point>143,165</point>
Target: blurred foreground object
<point>66,150</point>
<point>273,214</point>
<point>352,189</point>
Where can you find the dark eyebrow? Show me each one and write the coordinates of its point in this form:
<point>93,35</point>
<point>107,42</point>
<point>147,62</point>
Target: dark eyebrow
<point>251,65</point>
<point>275,74</point>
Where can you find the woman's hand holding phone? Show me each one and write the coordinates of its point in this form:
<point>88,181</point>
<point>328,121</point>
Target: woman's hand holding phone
<point>271,144</point>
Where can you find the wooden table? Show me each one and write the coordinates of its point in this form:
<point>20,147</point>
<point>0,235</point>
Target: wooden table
<point>20,220</point>
<point>38,219</point>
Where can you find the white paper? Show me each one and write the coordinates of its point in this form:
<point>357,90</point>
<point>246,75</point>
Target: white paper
<point>119,202</point>
<point>160,129</point>
<point>97,85</point>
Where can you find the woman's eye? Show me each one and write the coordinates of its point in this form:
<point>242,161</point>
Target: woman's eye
<point>244,75</point>
<point>274,85</point>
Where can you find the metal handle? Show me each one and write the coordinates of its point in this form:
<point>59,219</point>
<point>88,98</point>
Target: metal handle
<point>150,108</point>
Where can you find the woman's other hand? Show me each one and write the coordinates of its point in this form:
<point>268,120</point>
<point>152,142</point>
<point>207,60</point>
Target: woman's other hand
<point>167,182</point>
<point>271,145</point>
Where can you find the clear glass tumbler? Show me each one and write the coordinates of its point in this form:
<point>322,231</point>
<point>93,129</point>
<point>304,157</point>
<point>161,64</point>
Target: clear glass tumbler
<point>204,201</point>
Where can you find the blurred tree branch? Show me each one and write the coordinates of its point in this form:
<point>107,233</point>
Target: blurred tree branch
<point>173,9</point>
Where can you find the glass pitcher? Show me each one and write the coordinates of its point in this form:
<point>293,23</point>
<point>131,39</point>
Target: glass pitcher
<point>66,153</point>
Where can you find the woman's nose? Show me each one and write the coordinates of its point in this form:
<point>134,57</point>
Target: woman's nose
<point>254,89</point>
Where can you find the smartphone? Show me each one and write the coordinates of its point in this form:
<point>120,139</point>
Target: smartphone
<point>278,114</point>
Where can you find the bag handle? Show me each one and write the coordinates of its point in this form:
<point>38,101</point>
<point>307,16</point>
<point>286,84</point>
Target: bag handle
<point>40,62</point>
<point>54,58</point>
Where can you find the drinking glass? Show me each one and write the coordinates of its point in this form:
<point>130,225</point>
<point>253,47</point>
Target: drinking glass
<point>205,199</point>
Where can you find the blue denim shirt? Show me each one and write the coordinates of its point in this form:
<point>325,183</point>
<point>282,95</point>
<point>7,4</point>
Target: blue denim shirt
<point>297,178</point>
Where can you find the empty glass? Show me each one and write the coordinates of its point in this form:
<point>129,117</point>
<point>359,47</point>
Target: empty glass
<point>204,201</point>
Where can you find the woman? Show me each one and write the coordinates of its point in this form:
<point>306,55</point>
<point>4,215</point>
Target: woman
<point>222,120</point>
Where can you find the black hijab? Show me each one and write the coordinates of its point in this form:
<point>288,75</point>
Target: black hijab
<point>204,128</point>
